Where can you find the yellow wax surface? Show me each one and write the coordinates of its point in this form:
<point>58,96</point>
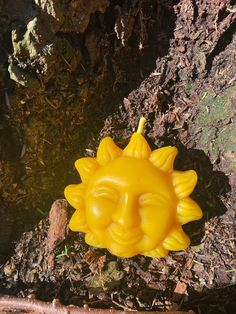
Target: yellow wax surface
<point>131,201</point>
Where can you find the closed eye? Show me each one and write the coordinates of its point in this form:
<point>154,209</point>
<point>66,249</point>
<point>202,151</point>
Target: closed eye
<point>150,199</point>
<point>106,192</point>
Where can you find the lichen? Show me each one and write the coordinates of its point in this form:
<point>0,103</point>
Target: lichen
<point>35,59</point>
<point>218,132</point>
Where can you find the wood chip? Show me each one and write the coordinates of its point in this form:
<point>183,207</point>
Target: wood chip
<point>58,224</point>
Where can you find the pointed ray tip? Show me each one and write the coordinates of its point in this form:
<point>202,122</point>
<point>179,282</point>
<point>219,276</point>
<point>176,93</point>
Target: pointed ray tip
<point>141,124</point>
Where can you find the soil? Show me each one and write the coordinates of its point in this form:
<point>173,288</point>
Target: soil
<point>71,74</point>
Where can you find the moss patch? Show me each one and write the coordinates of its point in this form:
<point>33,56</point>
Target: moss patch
<point>218,132</point>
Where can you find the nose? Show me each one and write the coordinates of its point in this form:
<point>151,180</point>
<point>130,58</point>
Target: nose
<point>126,213</point>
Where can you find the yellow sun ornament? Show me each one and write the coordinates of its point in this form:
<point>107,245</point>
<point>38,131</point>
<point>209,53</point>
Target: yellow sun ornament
<point>131,201</point>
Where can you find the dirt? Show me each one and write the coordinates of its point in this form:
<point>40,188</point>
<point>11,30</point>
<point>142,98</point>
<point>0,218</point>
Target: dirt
<point>69,85</point>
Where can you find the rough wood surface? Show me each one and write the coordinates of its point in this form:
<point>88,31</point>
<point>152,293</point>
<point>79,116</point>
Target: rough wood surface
<point>36,307</point>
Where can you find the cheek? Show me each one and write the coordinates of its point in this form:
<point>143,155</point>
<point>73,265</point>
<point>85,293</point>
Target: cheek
<point>99,212</point>
<point>156,223</point>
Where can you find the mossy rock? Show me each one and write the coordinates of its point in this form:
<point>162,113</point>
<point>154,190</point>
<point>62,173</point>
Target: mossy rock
<point>34,58</point>
<point>106,280</point>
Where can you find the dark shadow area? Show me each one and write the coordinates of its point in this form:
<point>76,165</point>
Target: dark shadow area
<point>222,43</point>
<point>209,302</point>
<point>10,148</point>
<point>122,67</point>
<point>212,186</point>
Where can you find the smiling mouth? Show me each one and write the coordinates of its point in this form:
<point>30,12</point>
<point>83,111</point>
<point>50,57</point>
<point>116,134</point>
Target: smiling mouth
<point>125,237</point>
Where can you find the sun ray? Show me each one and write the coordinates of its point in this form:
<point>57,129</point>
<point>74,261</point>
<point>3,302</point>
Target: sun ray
<point>107,151</point>
<point>78,222</point>
<point>163,158</point>
<point>158,252</point>
<point>188,210</point>
<point>184,182</point>
<point>92,240</point>
<point>74,194</point>
<point>176,240</point>
<point>138,147</point>
<point>86,167</point>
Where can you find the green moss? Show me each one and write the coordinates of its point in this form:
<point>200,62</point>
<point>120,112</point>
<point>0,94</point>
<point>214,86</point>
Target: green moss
<point>107,279</point>
<point>214,109</point>
<point>218,136</point>
<point>226,139</point>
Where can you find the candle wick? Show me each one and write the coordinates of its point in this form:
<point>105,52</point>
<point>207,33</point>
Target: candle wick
<point>141,125</point>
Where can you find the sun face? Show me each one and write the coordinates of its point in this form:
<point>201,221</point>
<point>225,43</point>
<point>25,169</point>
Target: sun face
<point>131,201</point>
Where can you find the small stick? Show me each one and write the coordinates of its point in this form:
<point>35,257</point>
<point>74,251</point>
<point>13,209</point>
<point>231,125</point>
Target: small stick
<point>13,303</point>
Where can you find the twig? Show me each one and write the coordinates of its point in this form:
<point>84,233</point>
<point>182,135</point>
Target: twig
<point>14,303</point>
